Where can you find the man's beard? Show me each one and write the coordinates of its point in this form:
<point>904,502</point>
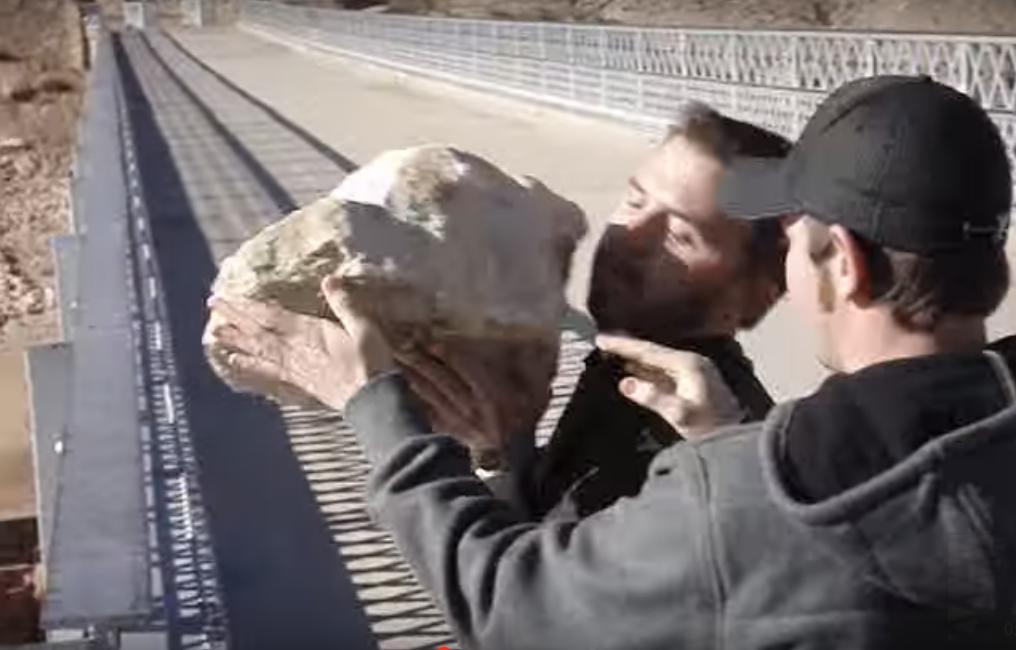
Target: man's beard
<point>618,302</point>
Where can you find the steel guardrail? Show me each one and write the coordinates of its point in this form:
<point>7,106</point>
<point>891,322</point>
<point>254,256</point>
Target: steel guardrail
<point>772,78</point>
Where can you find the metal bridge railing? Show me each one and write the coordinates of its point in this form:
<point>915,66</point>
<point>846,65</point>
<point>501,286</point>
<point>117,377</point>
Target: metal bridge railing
<point>772,78</point>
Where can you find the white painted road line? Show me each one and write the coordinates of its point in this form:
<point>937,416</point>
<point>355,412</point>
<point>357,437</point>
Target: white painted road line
<point>167,400</point>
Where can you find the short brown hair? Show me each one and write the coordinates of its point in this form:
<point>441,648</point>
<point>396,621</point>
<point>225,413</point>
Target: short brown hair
<point>923,289</point>
<point>723,138</point>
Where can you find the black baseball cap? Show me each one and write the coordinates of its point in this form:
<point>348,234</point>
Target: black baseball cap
<point>906,162</point>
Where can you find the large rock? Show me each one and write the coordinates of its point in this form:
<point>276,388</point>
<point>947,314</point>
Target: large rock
<point>439,246</point>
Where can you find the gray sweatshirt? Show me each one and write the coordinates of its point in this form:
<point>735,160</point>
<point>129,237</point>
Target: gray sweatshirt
<point>757,537</point>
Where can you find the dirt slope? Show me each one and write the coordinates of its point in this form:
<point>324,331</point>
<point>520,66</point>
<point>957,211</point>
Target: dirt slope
<point>42,55</point>
<point>960,16</point>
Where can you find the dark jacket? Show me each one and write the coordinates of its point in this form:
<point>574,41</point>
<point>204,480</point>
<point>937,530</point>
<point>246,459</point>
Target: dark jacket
<point>603,443</point>
<point>755,537</point>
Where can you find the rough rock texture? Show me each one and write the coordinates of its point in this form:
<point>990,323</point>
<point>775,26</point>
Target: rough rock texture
<point>438,245</point>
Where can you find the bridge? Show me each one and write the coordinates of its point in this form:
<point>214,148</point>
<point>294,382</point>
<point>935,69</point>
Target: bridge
<point>176,514</point>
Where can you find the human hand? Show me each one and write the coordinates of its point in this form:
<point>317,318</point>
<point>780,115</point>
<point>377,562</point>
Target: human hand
<point>485,393</point>
<point>683,388</point>
<point>455,404</point>
<point>269,350</point>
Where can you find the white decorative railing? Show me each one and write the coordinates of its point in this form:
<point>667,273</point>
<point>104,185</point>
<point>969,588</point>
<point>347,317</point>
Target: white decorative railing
<point>772,78</point>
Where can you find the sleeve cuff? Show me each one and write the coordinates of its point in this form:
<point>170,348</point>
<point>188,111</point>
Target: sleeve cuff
<point>385,413</point>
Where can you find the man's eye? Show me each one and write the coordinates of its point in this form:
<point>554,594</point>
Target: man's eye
<point>682,238</point>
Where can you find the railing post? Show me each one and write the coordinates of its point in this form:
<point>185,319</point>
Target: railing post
<point>963,55</point>
<point>476,49</point>
<point>794,80</point>
<point>682,54</point>
<point>639,47</point>
<point>570,49</point>
<point>732,67</point>
<point>519,68</point>
<point>639,71</point>
<point>603,66</point>
<point>543,57</point>
<point>604,59</point>
<point>870,57</point>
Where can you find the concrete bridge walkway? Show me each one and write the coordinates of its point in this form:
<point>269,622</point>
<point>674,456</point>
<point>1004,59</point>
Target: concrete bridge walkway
<point>235,130</point>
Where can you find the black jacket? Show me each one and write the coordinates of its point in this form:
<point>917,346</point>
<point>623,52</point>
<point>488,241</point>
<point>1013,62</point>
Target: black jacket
<point>604,443</point>
<point>729,543</point>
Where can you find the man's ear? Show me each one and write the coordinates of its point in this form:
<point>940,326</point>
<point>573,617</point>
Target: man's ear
<point>848,266</point>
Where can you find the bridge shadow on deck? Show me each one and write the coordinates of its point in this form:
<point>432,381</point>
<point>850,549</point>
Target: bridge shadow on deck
<point>301,563</point>
<point>282,586</point>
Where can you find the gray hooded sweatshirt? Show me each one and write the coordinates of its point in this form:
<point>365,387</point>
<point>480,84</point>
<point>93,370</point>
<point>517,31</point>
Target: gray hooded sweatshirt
<point>878,513</point>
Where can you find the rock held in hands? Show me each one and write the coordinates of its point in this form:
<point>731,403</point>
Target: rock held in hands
<point>436,245</point>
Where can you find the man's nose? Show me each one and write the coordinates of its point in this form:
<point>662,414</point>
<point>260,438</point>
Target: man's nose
<point>643,228</point>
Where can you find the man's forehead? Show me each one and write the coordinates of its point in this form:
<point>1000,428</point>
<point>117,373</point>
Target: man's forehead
<point>682,176</point>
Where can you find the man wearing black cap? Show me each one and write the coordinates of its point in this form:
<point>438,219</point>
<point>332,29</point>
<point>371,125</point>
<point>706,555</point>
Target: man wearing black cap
<point>879,512</point>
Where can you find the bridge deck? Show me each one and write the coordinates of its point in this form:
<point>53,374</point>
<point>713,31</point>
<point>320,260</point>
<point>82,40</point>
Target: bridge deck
<point>300,563</point>
<point>234,131</point>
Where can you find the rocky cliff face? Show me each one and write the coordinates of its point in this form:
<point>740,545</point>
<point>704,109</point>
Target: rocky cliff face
<point>963,16</point>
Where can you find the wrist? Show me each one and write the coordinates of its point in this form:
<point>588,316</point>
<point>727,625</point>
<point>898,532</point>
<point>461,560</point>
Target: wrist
<point>344,401</point>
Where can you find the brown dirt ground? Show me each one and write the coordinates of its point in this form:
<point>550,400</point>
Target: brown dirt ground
<point>17,487</point>
<point>958,16</point>
<point>42,54</point>
<point>18,576</point>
